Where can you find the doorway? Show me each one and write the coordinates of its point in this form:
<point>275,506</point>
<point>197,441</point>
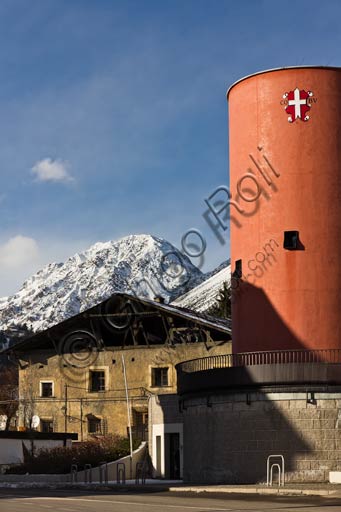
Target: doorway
<point>172,455</point>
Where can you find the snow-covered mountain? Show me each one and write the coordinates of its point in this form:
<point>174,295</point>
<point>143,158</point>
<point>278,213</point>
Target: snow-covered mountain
<point>140,264</point>
<point>204,295</point>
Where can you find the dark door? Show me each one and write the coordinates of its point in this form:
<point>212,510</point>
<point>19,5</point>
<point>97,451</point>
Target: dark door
<point>174,456</point>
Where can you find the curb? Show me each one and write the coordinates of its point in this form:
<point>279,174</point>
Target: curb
<point>150,488</point>
<point>257,490</point>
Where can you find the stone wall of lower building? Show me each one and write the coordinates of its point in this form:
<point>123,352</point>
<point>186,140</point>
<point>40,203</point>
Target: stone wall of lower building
<point>227,438</point>
<point>73,403</point>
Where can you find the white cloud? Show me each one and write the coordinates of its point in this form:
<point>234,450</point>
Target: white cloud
<point>19,256</point>
<point>22,256</point>
<point>17,252</point>
<point>52,170</point>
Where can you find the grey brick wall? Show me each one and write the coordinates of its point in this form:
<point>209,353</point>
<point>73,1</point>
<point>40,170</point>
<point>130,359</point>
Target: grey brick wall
<point>230,440</point>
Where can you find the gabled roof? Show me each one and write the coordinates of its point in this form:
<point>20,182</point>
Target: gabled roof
<point>201,318</point>
<point>46,339</point>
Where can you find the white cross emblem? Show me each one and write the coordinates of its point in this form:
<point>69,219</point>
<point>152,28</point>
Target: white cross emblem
<point>297,102</point>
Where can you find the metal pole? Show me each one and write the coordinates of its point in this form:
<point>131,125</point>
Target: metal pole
<point>65,406</point>
<point>81,407</point>
<point>128,414</point>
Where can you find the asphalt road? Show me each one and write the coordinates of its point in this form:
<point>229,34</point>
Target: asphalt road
<point>16,500</point>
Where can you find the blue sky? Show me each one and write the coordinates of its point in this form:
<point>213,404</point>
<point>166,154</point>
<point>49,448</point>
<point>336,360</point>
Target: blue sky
<point>113,115</point>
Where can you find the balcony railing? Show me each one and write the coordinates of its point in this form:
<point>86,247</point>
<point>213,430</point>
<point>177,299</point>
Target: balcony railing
<point>327,356</point>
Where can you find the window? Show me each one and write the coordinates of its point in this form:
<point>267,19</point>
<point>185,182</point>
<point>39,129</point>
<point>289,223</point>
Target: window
<point>140,425</point>
<point>291,241</point>
<point>159,377</point>
<point>46,389</point>
<point>97,380</point>
<point>46,425</point>
<point>94,425</point>
<point>238,272</point>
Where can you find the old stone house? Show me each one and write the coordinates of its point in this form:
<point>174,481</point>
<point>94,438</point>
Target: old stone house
<point>76,375</point>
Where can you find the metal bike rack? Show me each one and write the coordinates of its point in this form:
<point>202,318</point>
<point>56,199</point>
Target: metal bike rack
<point>280,467</point>
<point>121,473</point>
<point>103,472</point>
<point>74,470</point>
<point>88,474</point>
<point>140,473</point>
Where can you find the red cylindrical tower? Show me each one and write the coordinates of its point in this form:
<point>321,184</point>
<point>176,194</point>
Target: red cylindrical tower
<point>285,186</point>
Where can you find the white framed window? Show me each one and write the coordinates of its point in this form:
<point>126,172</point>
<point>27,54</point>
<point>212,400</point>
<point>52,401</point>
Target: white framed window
<point>96,381</point>
<point>160,377</point>
<point>46,388</point>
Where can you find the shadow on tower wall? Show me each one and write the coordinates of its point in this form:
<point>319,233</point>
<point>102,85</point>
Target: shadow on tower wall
<point>235,417</point>
<point>264,328</point>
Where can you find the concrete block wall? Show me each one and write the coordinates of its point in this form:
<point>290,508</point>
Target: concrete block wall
<point>138,455</point>
<point>227,438</point>
<point>81,477</point>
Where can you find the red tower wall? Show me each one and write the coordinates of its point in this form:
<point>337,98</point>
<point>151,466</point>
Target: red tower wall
<point>286,299</point>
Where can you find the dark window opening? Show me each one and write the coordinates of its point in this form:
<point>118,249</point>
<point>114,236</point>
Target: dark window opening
<point>238,271</point>
<point>97,425</point>
<point>94,425</point>
<point>159,377</point>
<point>290,240</point>
<point>46,425</point>
<point>46,389</point>
<point>97,381</point>
<point>140,425</point>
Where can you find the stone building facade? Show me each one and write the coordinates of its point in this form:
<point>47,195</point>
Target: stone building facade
<point>75,376</point>
<point>72,404</point>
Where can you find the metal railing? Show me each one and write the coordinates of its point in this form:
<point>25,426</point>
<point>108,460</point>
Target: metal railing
<point>140,473</point>
<point>121,473</point>
<point>103,472</point>
<point>88,474</point>
<point>328,356</point>
<point>74,473</point>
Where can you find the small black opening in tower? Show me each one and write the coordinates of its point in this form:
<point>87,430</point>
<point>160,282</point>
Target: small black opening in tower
<point>238,271</point>
<point>291,241</point>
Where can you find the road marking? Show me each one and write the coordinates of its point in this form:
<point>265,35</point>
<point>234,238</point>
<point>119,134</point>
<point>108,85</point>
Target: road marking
<point>45,506</point>
<point>5,496</point>
<point>136,503</point>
